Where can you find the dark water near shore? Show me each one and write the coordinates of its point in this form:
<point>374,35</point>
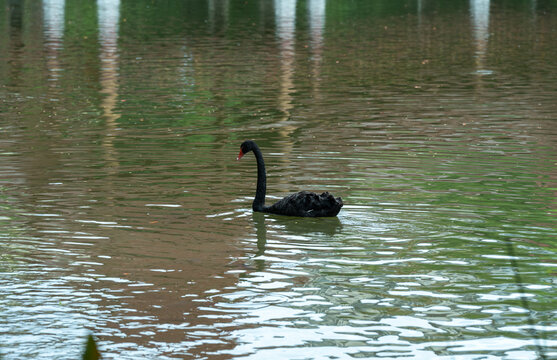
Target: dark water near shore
<point>123,211</point>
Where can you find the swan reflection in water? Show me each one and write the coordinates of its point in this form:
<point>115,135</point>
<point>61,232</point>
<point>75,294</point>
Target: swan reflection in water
<point>293,226</point>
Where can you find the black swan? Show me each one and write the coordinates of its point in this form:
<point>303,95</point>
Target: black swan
<point>303,203</point>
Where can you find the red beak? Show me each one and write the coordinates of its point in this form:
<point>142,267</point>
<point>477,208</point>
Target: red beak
<point>240,155</point>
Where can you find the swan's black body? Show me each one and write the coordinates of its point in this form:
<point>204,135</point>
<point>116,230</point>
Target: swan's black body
<point>303,203</point>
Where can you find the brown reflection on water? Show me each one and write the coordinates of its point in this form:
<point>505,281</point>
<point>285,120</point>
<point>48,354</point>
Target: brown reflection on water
<point>150,267</point>
<point>169,279</point>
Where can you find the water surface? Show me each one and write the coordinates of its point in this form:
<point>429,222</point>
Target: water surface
<point>124,213</point>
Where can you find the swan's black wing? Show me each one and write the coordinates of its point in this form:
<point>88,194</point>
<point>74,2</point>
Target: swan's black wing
<point>307,204</point>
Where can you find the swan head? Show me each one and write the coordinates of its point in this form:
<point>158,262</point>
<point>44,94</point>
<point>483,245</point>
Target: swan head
<point>245,148</point>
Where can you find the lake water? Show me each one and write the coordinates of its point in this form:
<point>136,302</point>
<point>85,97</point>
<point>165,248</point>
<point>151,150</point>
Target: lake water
<point>124,213</point>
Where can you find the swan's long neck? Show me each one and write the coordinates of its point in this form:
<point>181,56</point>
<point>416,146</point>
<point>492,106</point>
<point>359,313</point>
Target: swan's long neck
<point>259,201</point>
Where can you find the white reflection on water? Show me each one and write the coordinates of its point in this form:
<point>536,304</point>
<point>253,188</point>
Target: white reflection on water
<point>479,12</point>
<point>108,12</point>
<point>282,342</point>
<point>53,20</point>
<point>285,15</point>
<point>355,309</point>
<point>317,26</point>
<point>218,14</point>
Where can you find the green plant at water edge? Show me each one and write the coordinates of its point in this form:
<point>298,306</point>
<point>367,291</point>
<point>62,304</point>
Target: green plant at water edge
<point>91,352</point>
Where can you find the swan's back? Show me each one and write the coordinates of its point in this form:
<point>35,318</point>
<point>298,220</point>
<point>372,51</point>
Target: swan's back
<point>307,204</point>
